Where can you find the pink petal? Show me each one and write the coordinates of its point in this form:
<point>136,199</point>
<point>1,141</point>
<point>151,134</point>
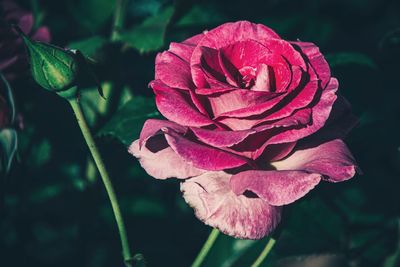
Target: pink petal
<point>42,34</point>
<point>332,159</point>
<point>194,40</point>
<point>182,50</point>
<point>320,114</point>
<point>240,99</point>
<point>233,32</point>
<point>26,23</point>
<point>173,71</point>
<point>317,61</point>
<point>164,163</point>
<point>216,205</point>
<point>152,126</point>
<point>220,138</point>
<point>202,156</point>
<point>178,107</point>
<point>277,188</point>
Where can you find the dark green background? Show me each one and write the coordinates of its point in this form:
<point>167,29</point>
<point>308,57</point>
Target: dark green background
<point>51,215</point>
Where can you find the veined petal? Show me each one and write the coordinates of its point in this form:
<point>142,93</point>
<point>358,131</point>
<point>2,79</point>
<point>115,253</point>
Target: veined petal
<point>277,188</point>
<point>215,204</point>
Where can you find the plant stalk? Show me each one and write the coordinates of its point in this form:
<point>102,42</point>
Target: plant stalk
<point>206,248</point>
<point>76,107</point>
<point>119,17</point>
<point>270,244</point>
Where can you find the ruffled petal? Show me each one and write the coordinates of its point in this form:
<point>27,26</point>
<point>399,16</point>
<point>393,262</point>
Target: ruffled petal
<point>220,138</point>
<point>153,126</point>
<point>173,70</point>
<point>316,59</point>
<point>331,159</point>
<point>275,187</point>
<point>216,205</point>
<point>163,163</point>
<point>202,156</point>
<point>177,107</point>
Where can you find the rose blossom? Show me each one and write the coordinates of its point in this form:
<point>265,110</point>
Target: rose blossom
<point>12,51</point>
<point>254,123</point>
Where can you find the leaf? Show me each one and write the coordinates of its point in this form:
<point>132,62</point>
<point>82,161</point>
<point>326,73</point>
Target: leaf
<point>346,58</point>
<point>91,14</point>
<point>127,123</point>
<point>88,46</point>
<point>150,35</point>
<point>8,146</point>
<point>200,15</point>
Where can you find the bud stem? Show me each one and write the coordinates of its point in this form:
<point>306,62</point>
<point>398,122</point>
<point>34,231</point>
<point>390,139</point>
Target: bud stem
<point>119,16</point>
<point>76,107</point>
<point>267,249</point>
<point>206,248</point>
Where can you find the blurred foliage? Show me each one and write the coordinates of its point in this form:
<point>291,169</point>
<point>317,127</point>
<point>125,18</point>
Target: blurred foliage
<point>54,213</point>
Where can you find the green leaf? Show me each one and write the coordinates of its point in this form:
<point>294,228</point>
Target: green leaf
<point>92,14</point>
<point>346,58</point>
<point>127,123</point>
<point>150,34</point>
<point>8,146</point>
<point>88,46</point>
<point>200,15</point>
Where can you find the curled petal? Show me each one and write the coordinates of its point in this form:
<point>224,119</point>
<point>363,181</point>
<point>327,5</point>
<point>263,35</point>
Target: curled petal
<point>152,126</point>
<point>316,59</point>
<point>215,204</point>
<point>177,107</point>
<point>173,71</point>
<point>277,188</point>
<point>220,138</point>
<point>331,159</point>
<point>164,163</point>
<point>202,156</point>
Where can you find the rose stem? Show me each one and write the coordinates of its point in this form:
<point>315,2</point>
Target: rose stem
<point>76,107</point>
<point>206,248</point>
<point>270,244</point>
<point>119,16</point>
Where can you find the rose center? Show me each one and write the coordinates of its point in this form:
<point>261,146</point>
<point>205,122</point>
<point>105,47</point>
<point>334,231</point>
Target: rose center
<point>260,78</point>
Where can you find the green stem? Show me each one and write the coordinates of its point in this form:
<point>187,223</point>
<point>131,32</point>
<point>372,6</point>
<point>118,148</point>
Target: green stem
<point>105,177</point>
<point>270,244</point>
<point>206,248</point>
<point>119,16</point>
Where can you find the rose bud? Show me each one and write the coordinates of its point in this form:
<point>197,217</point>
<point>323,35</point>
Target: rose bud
<point>57,69</point>
<point>13,61</point>
<point>254,122</point>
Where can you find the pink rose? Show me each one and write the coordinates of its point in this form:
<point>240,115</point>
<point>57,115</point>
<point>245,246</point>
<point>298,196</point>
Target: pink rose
<point>12,50</point>
<point>247,127</point>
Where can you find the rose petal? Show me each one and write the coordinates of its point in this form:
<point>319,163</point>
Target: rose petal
<point>152,126</point>
<point>220,138</point>
<point>202,156</point>
<point>331,159</point>
<point>164,163</point>
<point>231,102</point>
<point>277,188</point>
<point>173,71</point>
<point>216,205</point>
<point>42,34</point>
<point>233,32</point>
<point>316,59</point>
<point>176,107</point>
